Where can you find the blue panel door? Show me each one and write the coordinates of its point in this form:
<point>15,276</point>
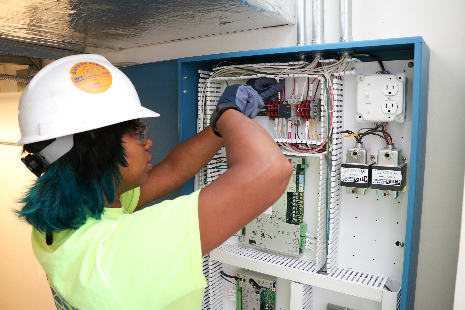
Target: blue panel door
<point>156,84</point>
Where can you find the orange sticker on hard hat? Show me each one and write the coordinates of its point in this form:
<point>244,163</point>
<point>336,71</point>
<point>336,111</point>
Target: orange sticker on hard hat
<point>91,77</point>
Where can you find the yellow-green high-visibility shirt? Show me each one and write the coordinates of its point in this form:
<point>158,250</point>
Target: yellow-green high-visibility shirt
<point>150,259</point>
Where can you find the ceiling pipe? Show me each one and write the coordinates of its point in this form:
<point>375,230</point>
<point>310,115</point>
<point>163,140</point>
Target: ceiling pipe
<point>301,22</point>
<point>345,21</point>
<point>318,27</point>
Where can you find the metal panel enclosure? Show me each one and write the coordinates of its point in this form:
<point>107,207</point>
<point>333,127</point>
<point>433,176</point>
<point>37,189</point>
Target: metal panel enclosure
<point>401,52</point>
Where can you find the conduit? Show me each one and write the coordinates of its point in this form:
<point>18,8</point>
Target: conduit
<point>301,22</point>
<point>318,27</point>
<point>345,21</point>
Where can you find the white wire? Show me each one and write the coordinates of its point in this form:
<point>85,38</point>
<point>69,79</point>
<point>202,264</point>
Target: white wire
<point>277,71</point>
<point>305,83</point>
<point>311,236</point>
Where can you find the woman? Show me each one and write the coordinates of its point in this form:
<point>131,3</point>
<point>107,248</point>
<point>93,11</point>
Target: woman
<point>79,119</point>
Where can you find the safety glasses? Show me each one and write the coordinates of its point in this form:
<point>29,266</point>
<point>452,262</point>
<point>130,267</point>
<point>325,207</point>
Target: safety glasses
<point>141,134</point>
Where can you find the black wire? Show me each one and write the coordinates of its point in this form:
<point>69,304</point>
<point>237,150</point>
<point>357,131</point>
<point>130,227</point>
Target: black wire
<point>373,134</point>
<point>375,58</point>
<point>378,60</point>
<point>308,88</point>
<point>316,90</point>
<point>377,131</point>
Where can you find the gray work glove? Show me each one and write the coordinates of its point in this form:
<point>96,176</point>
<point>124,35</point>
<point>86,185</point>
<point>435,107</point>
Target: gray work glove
<point>267,88</point>
<point>244,97</point>
<point>239,97</point>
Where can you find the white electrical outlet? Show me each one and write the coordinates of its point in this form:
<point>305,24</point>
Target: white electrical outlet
<point>390,89</point>
<point>381,98</point>
<point>389,107</point>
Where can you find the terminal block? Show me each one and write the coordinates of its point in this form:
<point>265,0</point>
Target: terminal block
<point>273,109</point>
<point>389,175</point>
<point>356,172</point>
<point>308,109</point>
<point>315,111</point>
<point>304,109</point>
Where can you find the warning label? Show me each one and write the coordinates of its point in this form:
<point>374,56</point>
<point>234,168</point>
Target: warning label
<point>386,177</point>
<point>354,175</point>
<point>91,77</point>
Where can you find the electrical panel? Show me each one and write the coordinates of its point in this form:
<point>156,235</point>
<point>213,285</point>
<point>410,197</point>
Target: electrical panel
<point>339,236</point>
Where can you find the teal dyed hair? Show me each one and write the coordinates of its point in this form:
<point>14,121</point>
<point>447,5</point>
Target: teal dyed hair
<point>76,186</point>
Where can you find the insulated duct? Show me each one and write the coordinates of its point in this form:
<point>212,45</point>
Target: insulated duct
<point>345,21</point>
<point>318,27</point>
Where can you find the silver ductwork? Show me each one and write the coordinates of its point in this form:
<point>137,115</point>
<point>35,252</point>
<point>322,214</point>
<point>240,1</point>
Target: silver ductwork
<point>345,21</point>
<point>318,27</point>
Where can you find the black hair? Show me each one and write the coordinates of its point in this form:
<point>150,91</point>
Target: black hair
<point>78,184</point>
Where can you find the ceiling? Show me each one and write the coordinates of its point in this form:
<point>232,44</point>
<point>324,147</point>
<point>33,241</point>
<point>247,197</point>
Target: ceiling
<point>55,28</point>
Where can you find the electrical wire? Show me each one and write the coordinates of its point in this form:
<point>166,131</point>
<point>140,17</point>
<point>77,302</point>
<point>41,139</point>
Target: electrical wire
<point>375,58</point>
<point>227,275</point>
<point>380,130</point>
<point>316,132</point>
<point>329,110</point>
<point>226,279</point>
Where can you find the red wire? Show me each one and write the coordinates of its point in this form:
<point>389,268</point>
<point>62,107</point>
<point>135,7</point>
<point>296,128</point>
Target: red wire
<point>227,275</point>
<point>294,87</point>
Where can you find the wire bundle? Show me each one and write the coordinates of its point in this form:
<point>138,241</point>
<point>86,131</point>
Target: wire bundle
<point>380,130</point>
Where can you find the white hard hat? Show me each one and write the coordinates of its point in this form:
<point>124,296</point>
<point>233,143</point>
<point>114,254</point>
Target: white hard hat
<point>76,94</point>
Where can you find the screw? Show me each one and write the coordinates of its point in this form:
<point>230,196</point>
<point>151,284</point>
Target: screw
<point>410,64</point>
<point>185,77</point>
<point>185,91</point>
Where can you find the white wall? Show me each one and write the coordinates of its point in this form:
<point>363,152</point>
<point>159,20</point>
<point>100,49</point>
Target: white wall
<point>23,284</point>
<point>442,25</point>
<point>459,301</point>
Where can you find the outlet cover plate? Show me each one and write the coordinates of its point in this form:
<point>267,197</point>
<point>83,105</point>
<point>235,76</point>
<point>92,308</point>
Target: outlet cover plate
<point>373,98</point>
